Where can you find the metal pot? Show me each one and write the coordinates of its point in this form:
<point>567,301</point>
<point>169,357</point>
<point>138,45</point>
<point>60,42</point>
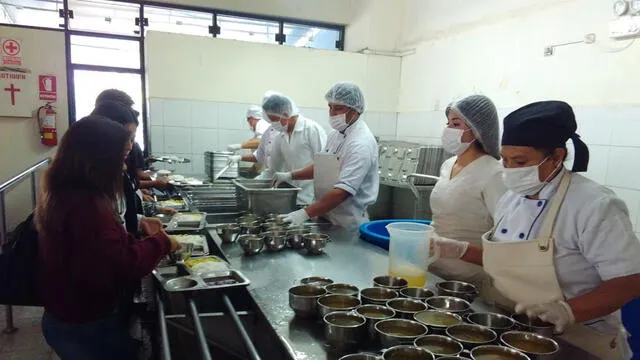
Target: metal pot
<point>330,303</point>
<point>417,293</point>
<point>377,295</point>
<point>439,345</point>
<point>407,352</point>
<point>251,244</point>
<point>360,356</point>
<point>390,282</point>
<point>394,332</point>
<point>343,330</point>
<point>457,289</point>
<point>274,240</point>
<point>448,303</point>
<point>437,321</point>
<point>471,336</point>
<point>497,352</point>
<point>406,308</point>
<point>303,299</point>
<point>374,314</point>
<point>342,289</point>
<point>537,347</point>
<point>496,322</point>
<point>228,233</point>
<point>534,325</point>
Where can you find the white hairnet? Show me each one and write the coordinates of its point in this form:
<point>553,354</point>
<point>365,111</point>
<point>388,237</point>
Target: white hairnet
<point>348,94</point>
<point>267,94</point>
<point>279,105</point>
<point>480,114</point>
<point>254,111</point>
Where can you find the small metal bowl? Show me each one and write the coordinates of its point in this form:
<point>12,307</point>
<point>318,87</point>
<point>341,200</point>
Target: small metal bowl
<point>453,358</point>
<point>497,352</point>
<point>252,227</point>
<point>316,280</point>
<point>390,282</point>
<point>496,322</point>
<point>228,233</point>
<point>417,293</point>
<point>534,325</point>
<point>315,243</point>
<point>181,283</point>
<point>330,303</point>
<point>342,289</point>
<point>295,238</point>
<point>274,240</point>
<point>303,299</point>
<point>439,345</point>
<point>537,347</point>
<point>251,244</point>
<point>360,356</point>
<point>406,308</point>
<point>457,289</point>
<point>266,227</point>
<point>374,314</point>
<point>448,303</point>
<point>343,330</point>
<point>437,321</point>
<point>471,336</point>
<point>407,352</point>
<point>377,295</point>
<point>249,218</point>
<point>394,332</point>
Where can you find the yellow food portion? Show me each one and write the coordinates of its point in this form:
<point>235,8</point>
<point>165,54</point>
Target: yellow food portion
<point>194,262</point>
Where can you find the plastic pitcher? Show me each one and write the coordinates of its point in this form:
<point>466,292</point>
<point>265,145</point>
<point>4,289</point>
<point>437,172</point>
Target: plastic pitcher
<point>409,254</point>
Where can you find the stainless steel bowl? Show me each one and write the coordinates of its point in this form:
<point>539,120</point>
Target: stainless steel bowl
<point>496,322</point>
<point>251,244</point>
<point>330,303</point>
<point>251,227</point>
<point>406,308</point>
<point>439,345</point>
<point>360,356</point>
<point>457,289</point>
<point>342,289</point>
<point>437,321</point>
<point>534,325</point>
<point>343,330</point>
<point>303,299</point>
<point>417,293</point>
<point>453,358</point>
<point>497,352</point>
<point>390,282</point>
<point>394,332</point>
<point>181,283</point>
<point>228,233</point>
<point>249,218</point>
<point>276,221</point>
<point>274,240</point>
<point>377,295</point>
<point>471,336</point>
<point>407,352</point>
<point>537,347</point>
<point>316,280</point>
<point>448,303</point>
<point>373,314</point>
<point>295,238</point>
<point>315,243</point>
<point>272,227</point>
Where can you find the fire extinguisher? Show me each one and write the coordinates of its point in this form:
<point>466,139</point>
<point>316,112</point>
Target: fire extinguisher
<point>47,124</point>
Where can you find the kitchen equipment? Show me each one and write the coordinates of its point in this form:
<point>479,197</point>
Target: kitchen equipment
<point>407,352</point>
<point>409,251</point>
<point>219,173</point>
<point>448,303</point>
<point>199,242</point>
<point>416,293</point>
<point>493,352</point>
<point>390,282</point>
<point>437,321</point>
<point>406,308</point>
<point>250,227</point>
<point>342,289</point>
<point>228,233</point>
<point>534,325</point>
<point>250,218</point>
<point>332,302</point>
<point>219,197</point>
<point>399,331</point>
<point>181,277</point>
<point>186,222</point>
<point>360,356</point>
<point>343,330</point>
<point>471,336</point>
<point>376,232</point>
<point>373,314</point>
<point>457,289</point>
<point>453,358</point>
<point>315,243</point>
<point>316,280</point>
<point>214,161</point>
<point>274,240</point>
<point>295,238</point>
<point>496,322</point>
<point>251,244</point>
<point>439,345</point>
<point>303,299</point>
<point>537,347</point>
<point>377,295</point>
<point>181,254</point>
<point>260,198</point>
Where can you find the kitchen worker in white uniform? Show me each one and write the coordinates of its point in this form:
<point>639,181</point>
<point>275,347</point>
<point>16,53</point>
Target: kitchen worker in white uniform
<point>298,141</point>
<point>345,174</point>
<point>470,185</point>
<point>563,248</point>
<point>258,127</point>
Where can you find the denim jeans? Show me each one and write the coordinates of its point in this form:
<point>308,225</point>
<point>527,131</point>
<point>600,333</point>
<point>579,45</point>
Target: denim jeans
<point>104,339</point>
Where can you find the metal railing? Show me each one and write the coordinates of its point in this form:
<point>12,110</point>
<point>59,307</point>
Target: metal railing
<point>31,171</point>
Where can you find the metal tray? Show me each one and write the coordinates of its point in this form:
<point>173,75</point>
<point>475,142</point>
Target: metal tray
<point>195,252</point>
<point>259,197</point>
<point>180,278</point>
<point>175,226</point>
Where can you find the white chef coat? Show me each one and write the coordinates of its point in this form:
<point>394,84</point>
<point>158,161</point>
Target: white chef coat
<point>263,152</point>
<point>594,238</point>
<point>357,150</point>
<point>261,127</point>
<point>290,153</point>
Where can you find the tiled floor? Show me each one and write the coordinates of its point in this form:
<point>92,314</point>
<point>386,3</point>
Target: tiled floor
<point>28,343</point>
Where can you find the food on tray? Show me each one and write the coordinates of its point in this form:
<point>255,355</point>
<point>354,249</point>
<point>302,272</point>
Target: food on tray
<point>187,219</point>
<point>198,242</point>
<point>172,203</point>
<point>207,265</point>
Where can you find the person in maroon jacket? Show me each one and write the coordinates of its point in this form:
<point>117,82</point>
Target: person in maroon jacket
<point>87,259</point>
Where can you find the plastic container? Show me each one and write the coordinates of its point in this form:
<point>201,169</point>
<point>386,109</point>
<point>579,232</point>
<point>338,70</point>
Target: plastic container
<point>375,232</point>
<point>409,254</point>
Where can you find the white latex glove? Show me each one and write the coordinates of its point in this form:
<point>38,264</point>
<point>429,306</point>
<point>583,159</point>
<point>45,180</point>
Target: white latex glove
<point>558,313</point>
<point>234,159</point>
<point>281,177</point>
<point>234,147</point>
<point>297,217</point>
<point>449,248</point>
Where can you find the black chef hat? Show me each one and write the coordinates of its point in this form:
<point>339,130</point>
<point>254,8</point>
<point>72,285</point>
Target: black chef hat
<point>546,124</point>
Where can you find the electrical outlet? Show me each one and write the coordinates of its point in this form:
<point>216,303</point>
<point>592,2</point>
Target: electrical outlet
<point>548,51</point>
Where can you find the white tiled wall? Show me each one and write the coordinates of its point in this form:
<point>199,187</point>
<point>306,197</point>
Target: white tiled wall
<point>189,128</point>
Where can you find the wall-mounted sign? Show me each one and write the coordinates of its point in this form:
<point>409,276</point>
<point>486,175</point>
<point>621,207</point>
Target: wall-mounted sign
<point>11,52</point>
<point>48,87</point>
<point>16,94</point>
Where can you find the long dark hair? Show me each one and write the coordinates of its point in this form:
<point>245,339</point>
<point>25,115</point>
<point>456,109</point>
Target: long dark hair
<point>89,160</point>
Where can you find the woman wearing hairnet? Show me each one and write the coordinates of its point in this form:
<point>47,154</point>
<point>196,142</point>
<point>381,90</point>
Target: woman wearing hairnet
<point>470,184</point>
<point>563,248</point>
<point>345,174</point>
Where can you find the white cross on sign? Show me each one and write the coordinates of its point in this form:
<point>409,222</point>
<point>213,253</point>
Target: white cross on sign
<point>17,94</point>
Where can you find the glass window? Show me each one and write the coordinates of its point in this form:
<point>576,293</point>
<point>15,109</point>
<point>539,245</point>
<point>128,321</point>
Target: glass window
<point>42,13</point>
<point>310,36</point>
<point>239,28</point>
<point>104,16</point>
<point>178,21</point>
<point>89,50</point>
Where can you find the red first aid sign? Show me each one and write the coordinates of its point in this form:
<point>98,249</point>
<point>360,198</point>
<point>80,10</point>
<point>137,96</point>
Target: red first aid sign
<point>48,87</point>
<point>11,51</point>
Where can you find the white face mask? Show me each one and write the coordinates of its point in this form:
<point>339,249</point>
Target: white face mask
<point>452,141</point>
<point>525,180</point>
<point>278,126</point>
<point>338,122</point>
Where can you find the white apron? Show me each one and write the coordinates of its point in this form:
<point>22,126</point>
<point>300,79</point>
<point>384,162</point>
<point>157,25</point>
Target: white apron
<point>524,272</point>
